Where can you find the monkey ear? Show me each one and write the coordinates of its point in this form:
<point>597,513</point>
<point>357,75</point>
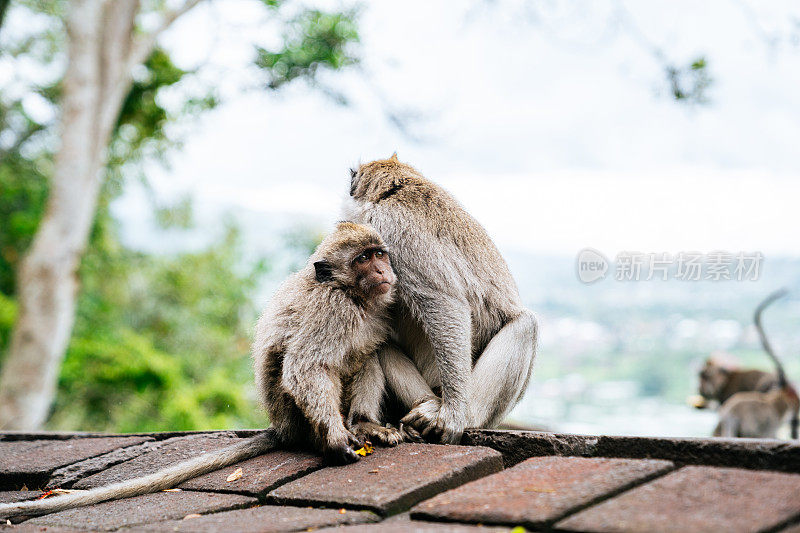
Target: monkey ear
<point>323,270</point>
<point>353,174</point>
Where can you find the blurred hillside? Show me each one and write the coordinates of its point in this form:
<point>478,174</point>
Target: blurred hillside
<point>621,357</point>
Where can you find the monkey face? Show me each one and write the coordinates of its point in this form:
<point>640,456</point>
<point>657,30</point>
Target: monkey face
<point>713,378</point>
<point>373,271</point>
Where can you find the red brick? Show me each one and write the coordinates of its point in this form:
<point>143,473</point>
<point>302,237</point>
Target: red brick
<point>698,499</point>
<point>44,456</point>
<point>149,508</point>
<point>170,452</point>
<point>264,519</point>
<point>392,479</point>
<point>259,475</point>
<point>537,491</point>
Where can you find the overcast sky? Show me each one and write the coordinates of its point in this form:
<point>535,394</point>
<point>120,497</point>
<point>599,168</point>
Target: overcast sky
<point>553,127</point>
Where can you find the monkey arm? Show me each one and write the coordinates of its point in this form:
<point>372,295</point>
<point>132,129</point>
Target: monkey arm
<point>367,390</point>
<point>319,397</point>
<point>366,396</point>
<point>447,322</point>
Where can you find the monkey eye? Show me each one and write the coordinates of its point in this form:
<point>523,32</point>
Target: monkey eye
<point>379,253</point>
<point>363,258</point>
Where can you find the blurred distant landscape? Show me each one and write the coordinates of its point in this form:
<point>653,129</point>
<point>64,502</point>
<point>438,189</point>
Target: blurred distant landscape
<point>621,357</point>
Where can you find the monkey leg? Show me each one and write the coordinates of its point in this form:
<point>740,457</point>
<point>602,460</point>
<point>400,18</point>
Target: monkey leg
<point>319,397</point>
<point>446,321</point>
<point>376,433</point>
<point>408,386</point>
<point>727,427</point>
<point>367,390</point>
<point>403,377</point>
<point>500,375</point>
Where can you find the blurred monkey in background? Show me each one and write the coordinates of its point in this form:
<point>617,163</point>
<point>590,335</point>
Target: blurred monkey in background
<point>759,414</point>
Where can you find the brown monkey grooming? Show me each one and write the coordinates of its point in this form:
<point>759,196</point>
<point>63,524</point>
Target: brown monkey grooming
<point>315,361</point>
<point>459,316</point>
<point>760,414</point>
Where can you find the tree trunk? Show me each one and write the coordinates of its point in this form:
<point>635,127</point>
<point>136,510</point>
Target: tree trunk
<point>95,82</point>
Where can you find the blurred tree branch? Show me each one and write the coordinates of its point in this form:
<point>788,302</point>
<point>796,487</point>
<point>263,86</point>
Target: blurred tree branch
<point>3,9</point>
<point>97,98</point>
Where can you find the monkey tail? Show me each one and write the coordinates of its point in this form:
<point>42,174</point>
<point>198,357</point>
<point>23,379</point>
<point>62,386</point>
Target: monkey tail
<point>161,480</point>
<point>782,382</point>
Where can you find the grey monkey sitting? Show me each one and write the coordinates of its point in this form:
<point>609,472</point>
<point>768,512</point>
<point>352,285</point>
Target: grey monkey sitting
<point>315,363</point>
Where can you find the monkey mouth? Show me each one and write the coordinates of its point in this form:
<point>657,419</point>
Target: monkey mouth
<point>383,287</point>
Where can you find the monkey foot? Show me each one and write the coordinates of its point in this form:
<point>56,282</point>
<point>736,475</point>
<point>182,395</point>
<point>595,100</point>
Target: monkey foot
<point>434,421</point>
<point>342,453</point>
<point>386,435</point>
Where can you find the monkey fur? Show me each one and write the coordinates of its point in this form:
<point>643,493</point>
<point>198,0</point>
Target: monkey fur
<point>315,346</point>
<point>719,381</point>
<point>315,363</point>
<point>464,345</point>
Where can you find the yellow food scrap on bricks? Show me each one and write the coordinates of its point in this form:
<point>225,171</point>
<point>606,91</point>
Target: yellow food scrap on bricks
<point>237,474</point>
<point>518,529</point>
<point>366,450</point>
<point>342,511</point>
<point>537,489</point>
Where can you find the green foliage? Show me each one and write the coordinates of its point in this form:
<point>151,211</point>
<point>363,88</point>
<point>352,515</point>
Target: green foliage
<point>178,215</point>
<point>160,342</point>
<point>24,191</point>
<point>690,83</point>
<point>141,133</point>
<point>8,313</point>
<point>313,40</point>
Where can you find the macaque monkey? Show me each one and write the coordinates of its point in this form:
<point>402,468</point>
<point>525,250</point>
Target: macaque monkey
<point>719,381</point>
<point>463,343</point>
<point>316,368</point>
<point>315,346</point>
<point>760,414</point>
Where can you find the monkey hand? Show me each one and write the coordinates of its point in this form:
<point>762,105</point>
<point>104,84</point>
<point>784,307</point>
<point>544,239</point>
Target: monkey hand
<point>435,421</point>
<point>342,451</point>
<point>376,433</point>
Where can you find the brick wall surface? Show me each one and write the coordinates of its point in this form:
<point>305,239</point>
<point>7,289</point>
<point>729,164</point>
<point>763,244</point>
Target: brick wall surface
<point>494,481</point>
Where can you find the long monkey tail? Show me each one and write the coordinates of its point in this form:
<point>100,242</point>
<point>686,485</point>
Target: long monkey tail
<point>163,479</point>
<point>763,336</point>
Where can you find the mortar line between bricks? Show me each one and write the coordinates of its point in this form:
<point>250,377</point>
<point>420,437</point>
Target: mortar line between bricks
<point>91,472</point>
<point>43,479</point>
<point>319,504</point>
<point>547,525</point>
<point>786,524</point>
<point>50,473</point>
<point>612,494</point>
